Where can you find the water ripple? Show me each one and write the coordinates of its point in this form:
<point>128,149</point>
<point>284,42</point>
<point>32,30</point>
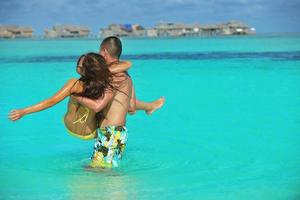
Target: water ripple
<point>216,56</point>
<point>278,56</point>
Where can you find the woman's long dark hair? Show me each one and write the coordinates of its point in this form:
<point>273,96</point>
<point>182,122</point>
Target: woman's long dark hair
<point>95,76</point>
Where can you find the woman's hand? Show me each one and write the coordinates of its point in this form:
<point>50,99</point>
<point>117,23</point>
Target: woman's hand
<point>69,88</point>
<point>14,115</point>
<point>120,67</point>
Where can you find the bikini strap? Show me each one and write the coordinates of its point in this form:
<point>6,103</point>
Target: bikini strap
<point>84,117</point>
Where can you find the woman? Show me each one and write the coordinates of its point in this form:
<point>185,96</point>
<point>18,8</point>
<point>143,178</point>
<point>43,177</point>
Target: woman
<point>95,81</point>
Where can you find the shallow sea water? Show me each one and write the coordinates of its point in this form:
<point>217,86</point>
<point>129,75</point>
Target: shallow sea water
<point>229,129</point>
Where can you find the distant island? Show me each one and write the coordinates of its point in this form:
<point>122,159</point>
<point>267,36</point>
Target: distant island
<point>133,30</point>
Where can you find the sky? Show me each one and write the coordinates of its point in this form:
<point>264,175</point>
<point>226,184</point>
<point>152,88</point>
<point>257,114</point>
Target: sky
<point>266,16</point>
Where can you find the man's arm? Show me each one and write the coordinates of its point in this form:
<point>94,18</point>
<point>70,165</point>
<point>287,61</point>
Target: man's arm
<point>122,66</point>
<point>95,105</point>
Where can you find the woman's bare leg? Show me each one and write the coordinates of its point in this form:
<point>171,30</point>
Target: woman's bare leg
<point>150,107</point>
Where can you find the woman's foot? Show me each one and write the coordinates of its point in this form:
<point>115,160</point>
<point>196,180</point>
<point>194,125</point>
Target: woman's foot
<point>155,105</point>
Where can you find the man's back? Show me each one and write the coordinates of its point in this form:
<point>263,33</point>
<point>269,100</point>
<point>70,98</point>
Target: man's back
<point>115,113</point>
<point>112,135</point>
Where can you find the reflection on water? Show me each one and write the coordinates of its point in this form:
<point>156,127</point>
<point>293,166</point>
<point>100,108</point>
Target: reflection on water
<point>102,184</point>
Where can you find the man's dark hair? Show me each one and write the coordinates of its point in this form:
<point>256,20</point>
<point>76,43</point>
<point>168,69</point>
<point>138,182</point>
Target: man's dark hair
<point>113,45</point>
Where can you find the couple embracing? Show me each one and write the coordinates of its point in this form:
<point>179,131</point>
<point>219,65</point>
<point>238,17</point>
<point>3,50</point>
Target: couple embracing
<point>99,103</point>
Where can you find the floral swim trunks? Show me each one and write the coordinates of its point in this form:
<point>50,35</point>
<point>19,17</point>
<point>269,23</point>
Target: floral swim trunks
<point>109,146</point>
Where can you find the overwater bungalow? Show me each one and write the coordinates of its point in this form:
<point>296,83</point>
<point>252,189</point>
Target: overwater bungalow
<point>235,28</point>
<point>13,31</point>
<point>123,30</point>
<point>67,31</point>
<point>178,30</point>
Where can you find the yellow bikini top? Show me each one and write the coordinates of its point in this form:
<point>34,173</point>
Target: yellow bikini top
<point>80,121</point>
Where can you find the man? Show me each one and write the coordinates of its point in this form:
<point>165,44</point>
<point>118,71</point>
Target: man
<point>111,50</point>
<point>114,105</point>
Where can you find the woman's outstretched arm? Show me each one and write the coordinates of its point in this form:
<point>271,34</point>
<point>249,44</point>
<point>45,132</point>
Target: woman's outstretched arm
<point>65,91</point>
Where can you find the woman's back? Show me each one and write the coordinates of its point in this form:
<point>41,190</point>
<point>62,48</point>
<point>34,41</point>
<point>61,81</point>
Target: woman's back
<point>80,120</point>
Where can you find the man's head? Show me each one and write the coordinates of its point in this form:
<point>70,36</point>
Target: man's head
<point>111,49</point>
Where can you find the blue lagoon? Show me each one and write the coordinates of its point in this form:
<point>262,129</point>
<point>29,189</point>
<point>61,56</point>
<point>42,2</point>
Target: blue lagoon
<point>229,129</point>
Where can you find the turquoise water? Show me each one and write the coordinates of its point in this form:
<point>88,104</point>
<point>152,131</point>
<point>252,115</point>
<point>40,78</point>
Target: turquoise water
<point>229,129</point>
